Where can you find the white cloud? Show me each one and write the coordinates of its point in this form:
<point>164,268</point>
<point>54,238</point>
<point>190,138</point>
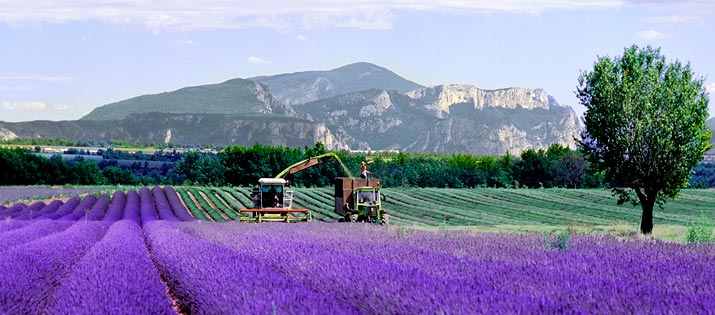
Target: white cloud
<point>257,61</point>
<point>652,35</point>
<point>60,107</point>
<point>40,78</point>
<point>277,14</point>
<point>369,20</point>
<point>24,106</point>
<point>33,106</point>
<point>304,39</point>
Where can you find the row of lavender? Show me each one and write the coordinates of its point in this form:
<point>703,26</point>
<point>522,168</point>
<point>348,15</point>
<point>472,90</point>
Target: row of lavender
<point>137,254</point>
<point>356,268</point>
<point>169,266</point>
<point>86,256</point>
<point>147,205</point>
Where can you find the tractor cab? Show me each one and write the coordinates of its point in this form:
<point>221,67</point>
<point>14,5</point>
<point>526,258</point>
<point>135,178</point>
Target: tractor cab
<point>273,201</point>
<point>368,203</point>
<point>272,193</point>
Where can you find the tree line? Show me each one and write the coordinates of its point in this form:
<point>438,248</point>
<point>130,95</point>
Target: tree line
<point>557,166</point>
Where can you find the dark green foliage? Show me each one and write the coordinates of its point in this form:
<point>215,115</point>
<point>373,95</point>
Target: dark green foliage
<point>118,176</point>
<point>645,125</point>
<point>200,169</point>
<point>700,232</point>
<point>85,173</point>
<point>242,166</point>
<point>556,241</point>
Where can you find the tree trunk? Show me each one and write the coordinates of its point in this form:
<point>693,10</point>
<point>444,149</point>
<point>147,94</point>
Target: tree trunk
<point>647,218</point>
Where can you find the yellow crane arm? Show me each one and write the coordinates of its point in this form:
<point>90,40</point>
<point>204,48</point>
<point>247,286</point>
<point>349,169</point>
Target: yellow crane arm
<point>299,166</point>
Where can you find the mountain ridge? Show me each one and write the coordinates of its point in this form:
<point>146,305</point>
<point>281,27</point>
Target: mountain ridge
<point>306,86</point>
<point>367,107</point>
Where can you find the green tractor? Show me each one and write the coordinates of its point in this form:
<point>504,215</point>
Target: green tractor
<point>360,200</point>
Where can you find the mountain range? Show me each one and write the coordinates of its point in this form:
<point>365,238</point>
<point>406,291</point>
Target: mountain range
<point>360,106</point>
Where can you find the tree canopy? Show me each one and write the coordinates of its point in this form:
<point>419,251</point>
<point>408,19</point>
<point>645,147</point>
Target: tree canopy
<point>644,125</point>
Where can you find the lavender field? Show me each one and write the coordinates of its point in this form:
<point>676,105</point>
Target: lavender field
<point>141,252</point>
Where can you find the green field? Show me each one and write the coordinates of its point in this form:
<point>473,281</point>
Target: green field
<point>484,209</point>
<point>515,210</point>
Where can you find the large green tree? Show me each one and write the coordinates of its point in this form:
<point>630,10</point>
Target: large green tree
<point>644,125</point>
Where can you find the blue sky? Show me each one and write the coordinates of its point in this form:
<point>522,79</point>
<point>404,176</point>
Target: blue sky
<point>60,59</point>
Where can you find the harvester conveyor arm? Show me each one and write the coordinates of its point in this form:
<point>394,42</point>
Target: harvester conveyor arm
<point>299,166</point>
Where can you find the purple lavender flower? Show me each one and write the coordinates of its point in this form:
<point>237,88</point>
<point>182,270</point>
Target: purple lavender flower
<point>116,207</point>
<point>99,208</point>
<point>147,208</point>
<point>31,270</point>
<point>81,210</point>
<point>116,276</point>
<point>30,212</point>
<point>179,209</point>
<point>162,205</point>
<point>63,210</point>
<point>131,209</point>
<point>35,230</point>
<point>208,279</point>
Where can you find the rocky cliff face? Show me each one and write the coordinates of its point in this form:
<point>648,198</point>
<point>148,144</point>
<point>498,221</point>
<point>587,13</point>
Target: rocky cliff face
<point>7,134</point>
<point>439,99</point>
<point>448,119</point>
<point>191,129</point>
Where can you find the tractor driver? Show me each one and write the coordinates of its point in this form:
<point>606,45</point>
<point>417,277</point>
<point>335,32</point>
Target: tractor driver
<point>273,197</point>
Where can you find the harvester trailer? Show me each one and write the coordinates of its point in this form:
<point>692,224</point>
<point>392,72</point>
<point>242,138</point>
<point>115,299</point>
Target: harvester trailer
<point>356,199</point>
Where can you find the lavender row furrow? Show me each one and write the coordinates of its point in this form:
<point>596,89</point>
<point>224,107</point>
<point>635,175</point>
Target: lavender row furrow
<point>30,211</point>
<point>208,279</point>
<point>33,231</point>
<point>98,210</point>
<point>13,210</point>
<point>179,209</point>
<point>7,225</point>
<point>33,211</point>
<point>81,210</point>
<point>580,280</point>
<point>50,208</point>
<point>369,285</point>
<point>32,270</point>
<point>116,207</point>
<point>131,209</point>
<point>147,208</point>
<point>63,210</point>
<point>116,276</point>
<point>162,205</point>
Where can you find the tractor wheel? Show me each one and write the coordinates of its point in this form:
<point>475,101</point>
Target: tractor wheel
<point>385,220</point>
<point>353,218</point>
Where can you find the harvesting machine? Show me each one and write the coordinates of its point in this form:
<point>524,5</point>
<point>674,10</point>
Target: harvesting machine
<point>356,199</point>
<point>360,200</point>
